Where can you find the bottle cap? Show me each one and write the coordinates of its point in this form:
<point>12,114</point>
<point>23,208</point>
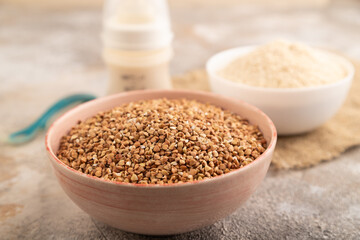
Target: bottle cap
<point>136,24</point>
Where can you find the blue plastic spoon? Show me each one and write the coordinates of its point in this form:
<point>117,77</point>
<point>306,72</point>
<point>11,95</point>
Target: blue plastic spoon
<point>29,133</point>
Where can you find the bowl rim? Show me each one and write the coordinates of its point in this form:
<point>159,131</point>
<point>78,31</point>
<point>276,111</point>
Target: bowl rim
<point>269,150</point>
<point>240,51</point>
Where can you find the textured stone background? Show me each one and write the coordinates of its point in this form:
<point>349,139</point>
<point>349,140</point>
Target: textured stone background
<point>48,51</point>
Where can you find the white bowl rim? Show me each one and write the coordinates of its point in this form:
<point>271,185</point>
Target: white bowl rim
<point>269,149</point>
<point>211,71</point>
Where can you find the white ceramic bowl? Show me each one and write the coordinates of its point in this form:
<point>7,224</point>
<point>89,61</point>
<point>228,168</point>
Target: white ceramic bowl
<point>293,110</point>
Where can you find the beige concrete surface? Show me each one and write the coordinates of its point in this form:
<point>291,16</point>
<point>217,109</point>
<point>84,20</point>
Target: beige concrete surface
<point>47,54</point>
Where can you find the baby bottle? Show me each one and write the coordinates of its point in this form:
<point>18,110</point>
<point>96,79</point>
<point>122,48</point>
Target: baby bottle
<point>137,44</point>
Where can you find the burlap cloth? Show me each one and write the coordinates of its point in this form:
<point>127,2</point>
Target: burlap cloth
<point>323,144</point>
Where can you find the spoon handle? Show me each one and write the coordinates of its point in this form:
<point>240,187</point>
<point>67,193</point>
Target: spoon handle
<point>29,133</point>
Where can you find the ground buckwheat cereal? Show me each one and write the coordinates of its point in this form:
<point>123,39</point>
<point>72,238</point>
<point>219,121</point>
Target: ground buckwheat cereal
<point>283,64</point>
<point>161,141</point>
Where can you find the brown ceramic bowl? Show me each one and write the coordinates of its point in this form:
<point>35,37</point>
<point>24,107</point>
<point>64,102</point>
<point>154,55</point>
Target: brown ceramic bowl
<point>160,209</point>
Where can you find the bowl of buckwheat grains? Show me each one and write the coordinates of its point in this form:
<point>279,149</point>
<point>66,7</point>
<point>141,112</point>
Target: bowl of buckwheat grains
<point>299,87</point>
<point>161,162</point>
